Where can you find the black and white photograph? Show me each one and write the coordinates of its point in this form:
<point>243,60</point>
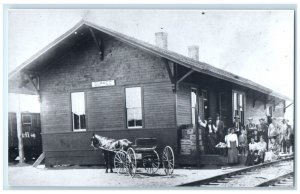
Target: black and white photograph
<point>151,98</point>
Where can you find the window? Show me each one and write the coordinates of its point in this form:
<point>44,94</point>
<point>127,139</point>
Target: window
<point>78,111</point>
<point>134,107</point>
<point>26,119</point>
<point>193,104</point>
<point>238,105</point>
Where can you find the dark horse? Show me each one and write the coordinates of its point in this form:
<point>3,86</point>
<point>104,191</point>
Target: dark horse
<point>108,146</point>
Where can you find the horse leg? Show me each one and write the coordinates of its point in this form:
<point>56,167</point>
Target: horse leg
<point>111,156</point>
<point>106,159</point>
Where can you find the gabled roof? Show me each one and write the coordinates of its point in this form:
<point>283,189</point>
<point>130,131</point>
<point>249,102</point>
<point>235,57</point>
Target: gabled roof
<point>65,41</point>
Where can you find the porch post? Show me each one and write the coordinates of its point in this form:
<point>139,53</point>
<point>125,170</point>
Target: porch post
<point>197,130</point>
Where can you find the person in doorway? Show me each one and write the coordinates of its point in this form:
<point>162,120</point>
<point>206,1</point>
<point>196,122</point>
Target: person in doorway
<point>220,128</point>
<point>250,128</point>
<point>232,144</point>
<point>210,132</point>
<point>237,125</point>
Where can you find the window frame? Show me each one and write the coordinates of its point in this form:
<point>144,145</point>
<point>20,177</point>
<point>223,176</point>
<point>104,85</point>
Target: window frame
<point>242,120</point>
<point>85,111</point>
<point>196,93</point>
<point>142,108</point>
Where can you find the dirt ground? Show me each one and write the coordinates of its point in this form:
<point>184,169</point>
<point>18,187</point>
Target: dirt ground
<point>96,177</point>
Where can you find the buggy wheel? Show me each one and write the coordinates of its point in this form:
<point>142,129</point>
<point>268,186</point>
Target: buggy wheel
<point>168,160</point>
<point>151,162</point>
<point>131,162</point>
<point>120,162</point>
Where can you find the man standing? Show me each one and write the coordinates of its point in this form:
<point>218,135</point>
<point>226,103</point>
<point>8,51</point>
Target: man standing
<point>285,139</point>
<point>237,125</point>
<point>251,128</point>
<point>273,131</point>
<point>262,129</point>
<point>220,129</point>
<point>210,133</point>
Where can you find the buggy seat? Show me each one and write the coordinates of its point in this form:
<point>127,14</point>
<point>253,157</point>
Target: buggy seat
<point>145,144</point>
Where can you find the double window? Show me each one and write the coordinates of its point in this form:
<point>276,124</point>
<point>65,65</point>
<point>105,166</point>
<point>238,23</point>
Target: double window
<point>78,111</point>
<point>134,107</point>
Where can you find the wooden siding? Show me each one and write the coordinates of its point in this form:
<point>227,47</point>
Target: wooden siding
<point>184,111</point>
<point>74,148</point>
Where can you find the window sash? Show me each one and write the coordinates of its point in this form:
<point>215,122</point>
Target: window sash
<point>78,111</point>
<point>134,111</point>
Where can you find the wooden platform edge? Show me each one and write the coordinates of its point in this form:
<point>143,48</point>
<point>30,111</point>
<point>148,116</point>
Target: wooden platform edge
<point>39,160</point>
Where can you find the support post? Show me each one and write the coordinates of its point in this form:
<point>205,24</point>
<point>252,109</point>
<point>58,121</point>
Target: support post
<point>19,132</point>
<point>197,130</point>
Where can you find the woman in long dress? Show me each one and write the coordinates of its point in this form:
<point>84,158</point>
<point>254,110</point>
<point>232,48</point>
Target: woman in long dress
<point>232,144</point>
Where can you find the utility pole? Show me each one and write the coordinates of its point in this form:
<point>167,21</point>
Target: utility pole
<point>19,132</point>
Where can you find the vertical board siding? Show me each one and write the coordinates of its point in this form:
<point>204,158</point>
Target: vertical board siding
<point>105,108</point>
<point>184,111</point>
<point>55,112</point>
<point>159,106</point>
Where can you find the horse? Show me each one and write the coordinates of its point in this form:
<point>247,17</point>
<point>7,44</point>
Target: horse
<point>109,145</point>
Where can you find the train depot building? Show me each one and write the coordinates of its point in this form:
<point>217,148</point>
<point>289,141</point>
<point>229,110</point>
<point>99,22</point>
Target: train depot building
<point>95,80</point>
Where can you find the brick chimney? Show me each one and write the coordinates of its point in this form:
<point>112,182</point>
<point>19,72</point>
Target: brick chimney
<point>161,39</point>
<point>193,52</point>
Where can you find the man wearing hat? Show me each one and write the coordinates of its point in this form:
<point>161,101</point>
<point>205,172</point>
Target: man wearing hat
<point>273,130</point>
<point>237,125</point>
<point>262,128</point>
<point>210,133</point>
<point>250,129</point>
<point>285,139</point>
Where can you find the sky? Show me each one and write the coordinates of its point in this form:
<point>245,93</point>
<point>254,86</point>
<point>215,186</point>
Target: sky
<point>258,45</point>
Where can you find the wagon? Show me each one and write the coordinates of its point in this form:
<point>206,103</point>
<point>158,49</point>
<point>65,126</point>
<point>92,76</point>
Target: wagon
<point>144,154</point>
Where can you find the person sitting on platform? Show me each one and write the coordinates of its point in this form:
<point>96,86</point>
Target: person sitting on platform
<point>252,156</point>
<point>243,142</point>
<point>261,148</point>
<point>273,151</point>
<point>210,133</point>
<point>232,144</point>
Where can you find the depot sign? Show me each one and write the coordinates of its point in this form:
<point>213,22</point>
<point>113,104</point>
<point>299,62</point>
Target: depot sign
<point>103,83</point>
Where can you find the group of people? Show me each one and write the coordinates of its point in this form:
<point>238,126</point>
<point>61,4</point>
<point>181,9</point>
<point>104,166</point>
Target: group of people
<point>261,142</point>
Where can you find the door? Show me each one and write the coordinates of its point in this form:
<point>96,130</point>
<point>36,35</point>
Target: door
<point>31,135</point>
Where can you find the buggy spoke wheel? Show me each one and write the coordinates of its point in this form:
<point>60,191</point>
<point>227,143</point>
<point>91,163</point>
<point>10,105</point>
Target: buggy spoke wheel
<point>151,162</point>
<point>120,162</point>
<point>168,160</point>
<point>131,162</point>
